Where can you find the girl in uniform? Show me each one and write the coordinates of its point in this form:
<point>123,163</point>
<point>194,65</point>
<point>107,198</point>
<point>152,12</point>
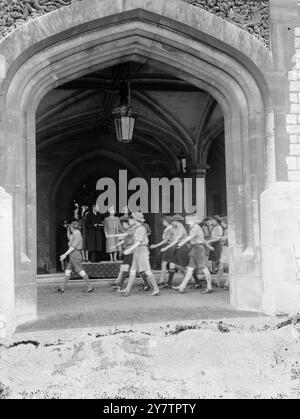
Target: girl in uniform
<point>140,250</point>
<point>167,238</point>
<point>216,242</point>
<point>126,243</point>
<point>128,226</point>
<point>176,257</point>
<point>197,254</point>
<point>75,258</point>
<point>224,261</point>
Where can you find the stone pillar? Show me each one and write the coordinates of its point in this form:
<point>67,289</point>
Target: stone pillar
<point>198,175</point>
<point>280,234</point>
<point>280,203</point>
<point>293,117</point>
<point>7,280</point>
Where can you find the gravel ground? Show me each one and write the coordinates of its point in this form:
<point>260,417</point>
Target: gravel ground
<point>239,359</point>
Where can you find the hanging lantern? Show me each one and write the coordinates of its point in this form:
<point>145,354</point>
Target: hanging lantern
<point>124,116</point>
<point>182,162</point>
<point>124,123</point>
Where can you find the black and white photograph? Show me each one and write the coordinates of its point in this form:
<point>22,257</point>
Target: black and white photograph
<point>149,202</point>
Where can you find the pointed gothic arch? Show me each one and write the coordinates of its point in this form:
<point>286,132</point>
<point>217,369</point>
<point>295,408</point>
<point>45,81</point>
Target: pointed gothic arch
<point>193,45</point>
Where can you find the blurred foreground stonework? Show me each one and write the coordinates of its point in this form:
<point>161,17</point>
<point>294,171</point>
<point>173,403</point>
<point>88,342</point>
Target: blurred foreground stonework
<point>239,359</point>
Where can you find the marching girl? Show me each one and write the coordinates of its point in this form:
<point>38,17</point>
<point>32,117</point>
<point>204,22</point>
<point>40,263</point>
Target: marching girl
<point>75,258</point>
<point>197,254</point>
<point>216,242</point>
<point>224,261</point>
<point>177,258</point>
<point>127,224</point>
<point>140,250</point>
<point>167,238</point>
<point>126,243</point>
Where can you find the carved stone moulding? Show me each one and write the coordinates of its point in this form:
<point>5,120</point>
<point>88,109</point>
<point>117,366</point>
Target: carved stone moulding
<point>14,13</point>
<point>252,16</point>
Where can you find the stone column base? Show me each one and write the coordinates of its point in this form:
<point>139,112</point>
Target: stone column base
<point>7,280</point>
<point>280,238</point>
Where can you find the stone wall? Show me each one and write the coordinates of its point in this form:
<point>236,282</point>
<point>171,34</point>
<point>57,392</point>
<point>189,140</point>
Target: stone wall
<point>252,16</point>
<point>7,289</point>
<point>293,118</point>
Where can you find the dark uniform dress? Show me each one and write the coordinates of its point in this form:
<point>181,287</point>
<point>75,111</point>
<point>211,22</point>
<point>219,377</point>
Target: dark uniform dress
<point>84,230</point>
<point>94,235</point>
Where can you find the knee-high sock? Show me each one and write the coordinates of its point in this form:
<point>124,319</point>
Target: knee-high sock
<point>196,278</point>
<point>87,280</point>
<point>181,270</point>
<point>163,272</point>
<point>123,279</point>
<point>208,278</point>
<point>124,268</point>
<point>220,273</point>
<point>153,281</point>
<point>187,279</point>
<point>171,277</point>
<point>130,282</point>
<point>66,280</point>
<point>145,279</point>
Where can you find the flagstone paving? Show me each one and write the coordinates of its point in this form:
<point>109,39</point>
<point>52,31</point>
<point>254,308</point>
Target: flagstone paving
<point>74,309</point>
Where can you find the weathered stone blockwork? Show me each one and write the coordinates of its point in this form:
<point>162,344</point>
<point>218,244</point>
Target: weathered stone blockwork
<point>293,118</point>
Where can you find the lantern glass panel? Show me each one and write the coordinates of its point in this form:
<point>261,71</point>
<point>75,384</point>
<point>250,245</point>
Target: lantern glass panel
<point>128,123</point>
<point>124,128</point>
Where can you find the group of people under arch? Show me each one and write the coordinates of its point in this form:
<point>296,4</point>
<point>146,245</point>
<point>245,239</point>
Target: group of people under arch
<point>194,247</point>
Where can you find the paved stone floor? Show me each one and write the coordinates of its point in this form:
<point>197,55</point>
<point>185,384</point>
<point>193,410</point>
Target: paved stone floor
<point>106,308</point>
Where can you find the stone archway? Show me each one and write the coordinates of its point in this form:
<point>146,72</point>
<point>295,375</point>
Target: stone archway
<point>86,162</point>
<point>197,47</point>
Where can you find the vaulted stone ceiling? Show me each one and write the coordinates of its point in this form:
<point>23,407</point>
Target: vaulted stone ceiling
<point>175,118</point>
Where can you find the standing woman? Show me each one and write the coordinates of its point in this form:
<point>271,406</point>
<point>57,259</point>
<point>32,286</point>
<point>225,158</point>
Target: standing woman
<point>84,213</point>
<point>75,258</point>
<point>167,238</point>
<point>112,227</point>
<point>93,224</point>
<point>197,254</point>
